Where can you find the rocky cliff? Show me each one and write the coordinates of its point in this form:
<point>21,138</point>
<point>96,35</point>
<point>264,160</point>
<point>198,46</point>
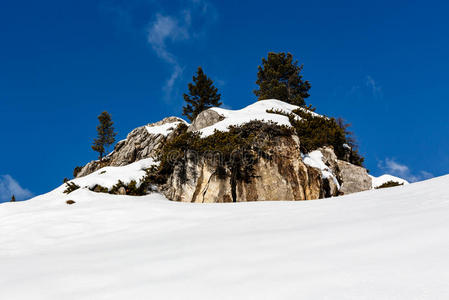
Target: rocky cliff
<point>282,173</point>
<point>282,176</point>
<point>142,142</point>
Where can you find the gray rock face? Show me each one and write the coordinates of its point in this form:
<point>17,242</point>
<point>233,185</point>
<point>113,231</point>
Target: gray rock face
<point>283,177</point>
<point>354,178</point>
<point>139,144</point>
<point>204,119</point>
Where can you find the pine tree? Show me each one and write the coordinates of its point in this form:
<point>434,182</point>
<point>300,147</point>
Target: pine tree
<point>202,95</point>
<point>105,134</point>
<point>279,78</point>
<point>13,198</point>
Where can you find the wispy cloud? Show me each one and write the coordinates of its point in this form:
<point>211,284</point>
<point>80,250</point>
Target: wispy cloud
<point>163,29</point>
<point>373,86</point>
<point>391,166</point>
<point>166,29</point>
<point>9,186</point>
<point>366,88</point>
<point>165,26</point>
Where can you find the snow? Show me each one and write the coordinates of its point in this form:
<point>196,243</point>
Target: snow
<point>314,159</point>
<point>255,111</point>
<point>163,129</point>
<point>378,181</point>
<point>109,176</point>
<point>379,244</point>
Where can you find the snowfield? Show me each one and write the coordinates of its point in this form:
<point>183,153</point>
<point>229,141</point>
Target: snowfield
<point>380,244</point>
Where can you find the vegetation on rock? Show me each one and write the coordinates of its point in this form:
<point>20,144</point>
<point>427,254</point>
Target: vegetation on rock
<point>76,171</point>
<point>232,153</point>
<point>318,131</point>
<point>71,186</point>
<point>131,188</point>
<point>389,184</point>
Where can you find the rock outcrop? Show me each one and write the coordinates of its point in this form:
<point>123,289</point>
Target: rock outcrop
<point>354,178</point>
<point>142,142</point>
<point>283,176</point>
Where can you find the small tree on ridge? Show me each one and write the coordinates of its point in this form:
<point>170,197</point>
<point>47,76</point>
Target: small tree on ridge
<point>202,95</point>
<point>105,134</point>
<point>279,77</point>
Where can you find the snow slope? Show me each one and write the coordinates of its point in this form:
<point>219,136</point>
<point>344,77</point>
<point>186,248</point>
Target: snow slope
<point>255,111</point>
<point>380,244</point>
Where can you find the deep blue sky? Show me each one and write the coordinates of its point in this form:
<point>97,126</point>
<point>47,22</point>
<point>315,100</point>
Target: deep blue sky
<point>381,65</point>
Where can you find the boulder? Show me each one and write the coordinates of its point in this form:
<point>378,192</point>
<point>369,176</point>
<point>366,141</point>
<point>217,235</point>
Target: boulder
<point>354,178</point>
<point>205,119</point>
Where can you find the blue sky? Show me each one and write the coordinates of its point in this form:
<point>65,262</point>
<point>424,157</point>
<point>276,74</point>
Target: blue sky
<point>381,65</point>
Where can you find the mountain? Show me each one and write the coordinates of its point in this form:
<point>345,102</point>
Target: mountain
<point>379,244</point>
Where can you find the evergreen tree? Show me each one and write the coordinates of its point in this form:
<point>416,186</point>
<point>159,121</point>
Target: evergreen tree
<point>13,198</point>
<point>202,95</point>
<point>279,78</point>
<point>353,156</point>
<point>105,134</point>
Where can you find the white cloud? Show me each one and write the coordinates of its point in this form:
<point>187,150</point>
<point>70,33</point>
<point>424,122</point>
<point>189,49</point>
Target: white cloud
<point>366,89</point>
<point>374,87</point>
<point>167,29</point>
<point>9,186</point>
<point>163,29</point>
<point>395,168</point>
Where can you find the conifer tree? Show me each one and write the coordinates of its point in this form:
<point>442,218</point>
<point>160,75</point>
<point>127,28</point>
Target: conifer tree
<point>202,95</point>
<point>105,134</point>
<point>279,77</point>
<point>13,198</point>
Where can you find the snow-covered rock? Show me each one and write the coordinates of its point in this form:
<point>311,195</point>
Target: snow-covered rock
<point>109,176</point>
<point>342,177</point>
<point>378,181</point>
<point>291,176</point>
<point>255,111</point>
<point>140,143</point>
<point>315,160</point>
